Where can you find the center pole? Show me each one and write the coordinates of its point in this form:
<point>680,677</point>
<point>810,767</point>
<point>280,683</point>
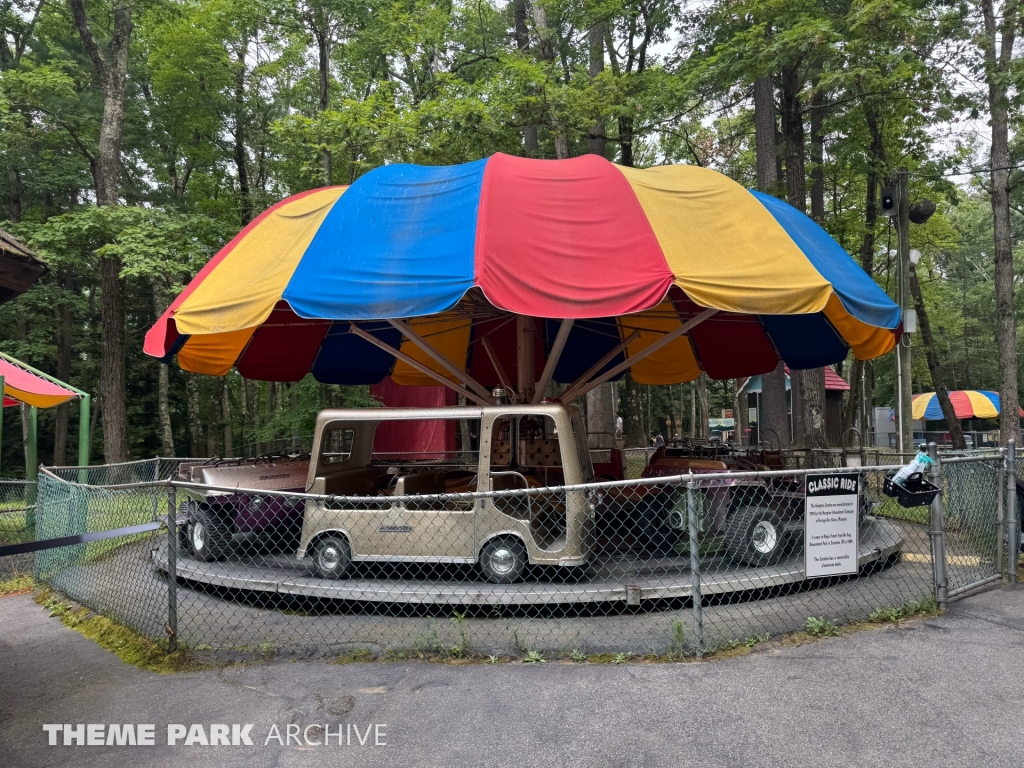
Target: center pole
<point>526,369</point>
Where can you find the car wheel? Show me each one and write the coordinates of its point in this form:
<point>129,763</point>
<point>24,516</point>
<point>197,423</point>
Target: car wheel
<point>209,535</point>
<point>755,536</point>
<point>332,557</point>
<point>503,560</point>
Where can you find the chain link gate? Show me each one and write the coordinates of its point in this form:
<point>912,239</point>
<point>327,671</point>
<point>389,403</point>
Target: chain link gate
<point>663,565</point>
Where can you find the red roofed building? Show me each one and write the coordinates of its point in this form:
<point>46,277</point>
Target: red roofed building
<point>835,386</point>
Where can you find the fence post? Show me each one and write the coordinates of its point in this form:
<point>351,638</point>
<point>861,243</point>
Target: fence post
<point>938,532</point>
<point>1012,525</point>
<point>172,571</point>
<point>698,608</point>
<point>1000,511</point>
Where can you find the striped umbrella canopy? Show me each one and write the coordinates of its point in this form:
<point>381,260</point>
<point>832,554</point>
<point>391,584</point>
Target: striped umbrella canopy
<point>967,404</point>
<point>24,386</point>
<point>434,274</point>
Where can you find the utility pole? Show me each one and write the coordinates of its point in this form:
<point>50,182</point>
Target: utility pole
<point>903,371</point>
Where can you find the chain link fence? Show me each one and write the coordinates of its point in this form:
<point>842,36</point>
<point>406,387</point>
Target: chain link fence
<point>696,556</point>
<point>17,523</point>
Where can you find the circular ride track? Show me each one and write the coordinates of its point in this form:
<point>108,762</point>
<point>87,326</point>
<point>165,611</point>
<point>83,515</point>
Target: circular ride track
<point>617,579</point>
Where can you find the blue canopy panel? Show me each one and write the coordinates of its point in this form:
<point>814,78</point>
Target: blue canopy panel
<point>805,341</point>
<point>588,342</point>
<point>859,294</point>
<point>344,358</point>
<point>399,243</point>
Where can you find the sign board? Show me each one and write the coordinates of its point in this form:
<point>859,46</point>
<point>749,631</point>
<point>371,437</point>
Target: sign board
<point>831,524</point>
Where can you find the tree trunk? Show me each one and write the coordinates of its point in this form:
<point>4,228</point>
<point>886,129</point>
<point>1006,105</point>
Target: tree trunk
<point>817,157</point>
<point>601,415</point>
<point>213,421</point>
<point>626,141</point>
<point>112,377</point>
<point>112,71</point>
<point>163,407</point>
<point>164,384</point>
<point>195,420</point>
<point>14,194</point>
<point>595,39</point>
<point>867,262</point>
<point>225,414</point>
<point>792,118</point>
<point>693,410</point>
<point>546,52</point>
<point>522,35</point>
<point>764,134</point>
<point>702,405</point>
<point>740,414</point>
<point>938,382</point>
<point>634,419</point>
<point>773,416</point>
<point>323,46</point>
<point>998,64</point>
<point>241,167</point>
<point>815,435</point>
<point>806,387</point>
<point>65,355</point>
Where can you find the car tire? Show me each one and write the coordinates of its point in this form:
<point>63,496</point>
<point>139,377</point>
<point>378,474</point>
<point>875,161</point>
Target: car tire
<point>208,534</point>
<point>755,536</point>
<point>332,557</point>
<point>504,560</point>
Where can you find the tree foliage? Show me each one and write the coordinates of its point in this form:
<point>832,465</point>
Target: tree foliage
<point>231,106</point>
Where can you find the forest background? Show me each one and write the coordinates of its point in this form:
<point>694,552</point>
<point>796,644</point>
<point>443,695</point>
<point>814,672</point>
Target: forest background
<point>136,138</point>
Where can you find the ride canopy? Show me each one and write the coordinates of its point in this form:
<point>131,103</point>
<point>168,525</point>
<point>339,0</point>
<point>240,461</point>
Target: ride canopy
<point>457,253</point>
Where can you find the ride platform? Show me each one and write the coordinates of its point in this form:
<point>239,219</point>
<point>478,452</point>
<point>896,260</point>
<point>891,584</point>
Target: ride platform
<point>618,578</point>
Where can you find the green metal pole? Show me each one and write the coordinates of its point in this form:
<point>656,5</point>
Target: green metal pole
<point>84,448</point>
<point>31,448</point>
<point>32,463</point>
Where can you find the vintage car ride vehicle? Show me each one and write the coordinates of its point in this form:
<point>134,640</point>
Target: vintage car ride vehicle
<point>418,507</point>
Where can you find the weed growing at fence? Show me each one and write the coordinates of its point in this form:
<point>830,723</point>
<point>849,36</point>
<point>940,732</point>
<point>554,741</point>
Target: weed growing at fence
<point>821,627</point>
<point>354,656</point>
<point>677,645</point>
<point>578,656</point>
<point>917,608</point>
<point>16,586</point>
<point>131,647</point>
<point>534,657</point>
<point>461,648</point>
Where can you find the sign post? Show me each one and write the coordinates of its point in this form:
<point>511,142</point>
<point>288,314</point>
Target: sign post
<point>831,524</point>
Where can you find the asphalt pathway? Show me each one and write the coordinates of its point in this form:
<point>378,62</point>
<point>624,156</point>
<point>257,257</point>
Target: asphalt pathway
<point>943,691</point>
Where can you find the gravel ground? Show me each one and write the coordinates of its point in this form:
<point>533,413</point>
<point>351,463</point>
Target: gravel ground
<point>945,691</point>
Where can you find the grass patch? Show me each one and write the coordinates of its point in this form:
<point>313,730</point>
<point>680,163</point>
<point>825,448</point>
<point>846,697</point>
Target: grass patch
<point>816,627</point>
<point>17,585</point>
<point>129,646</point>
<point>914,609</point>
<point>891,509</point>
<point>14,527</point>
<point>354,656</point>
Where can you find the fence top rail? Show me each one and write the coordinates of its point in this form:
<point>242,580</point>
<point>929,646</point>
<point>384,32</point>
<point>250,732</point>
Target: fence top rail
<point>966,459</point>
<point>696,480</point>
